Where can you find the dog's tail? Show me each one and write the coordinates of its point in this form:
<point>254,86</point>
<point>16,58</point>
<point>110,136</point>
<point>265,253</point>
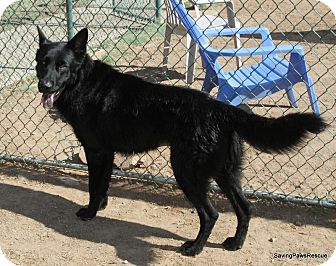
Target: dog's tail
<point>274,134</point>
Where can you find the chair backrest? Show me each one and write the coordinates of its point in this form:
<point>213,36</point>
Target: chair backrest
<point>188,22</point>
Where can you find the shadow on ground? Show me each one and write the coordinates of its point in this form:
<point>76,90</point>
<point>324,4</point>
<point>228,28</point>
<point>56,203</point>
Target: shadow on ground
<point>156,74</point>
<point>316,36</point>
<point>291,213</point>
<point>57,213</point>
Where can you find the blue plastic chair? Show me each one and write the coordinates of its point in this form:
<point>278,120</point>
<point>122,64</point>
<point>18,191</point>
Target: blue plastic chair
<point>269,76</point>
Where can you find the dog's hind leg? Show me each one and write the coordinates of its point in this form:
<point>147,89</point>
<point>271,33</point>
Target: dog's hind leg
<point>206,212</point>
<point>100,169</point>
<point>242,209</point>
<point>195,188</point>
<point>229,182</point>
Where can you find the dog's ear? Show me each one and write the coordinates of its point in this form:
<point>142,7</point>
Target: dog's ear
<point>79,41</point>
<point>42,38</point>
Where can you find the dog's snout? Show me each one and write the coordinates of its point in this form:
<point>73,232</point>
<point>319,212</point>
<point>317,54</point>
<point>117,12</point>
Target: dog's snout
<point>45,85</point>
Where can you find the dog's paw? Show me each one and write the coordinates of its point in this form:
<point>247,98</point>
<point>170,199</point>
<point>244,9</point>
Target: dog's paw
<point>190,249</point>
<point>103,204</point>
<point>185,246</point>
<point>85,214</point>
<point>231,244</point>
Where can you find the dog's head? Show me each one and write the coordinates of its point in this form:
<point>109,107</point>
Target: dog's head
<point>57,64</point>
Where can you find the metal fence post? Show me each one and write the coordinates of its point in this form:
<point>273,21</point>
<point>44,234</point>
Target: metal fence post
<point>113,5</point>
<point>158,12</point>
<point>70,22</point>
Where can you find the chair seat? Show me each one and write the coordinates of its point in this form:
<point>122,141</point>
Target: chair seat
<point>256,81</point>
<point>207,22</point>
<point>269,70</point>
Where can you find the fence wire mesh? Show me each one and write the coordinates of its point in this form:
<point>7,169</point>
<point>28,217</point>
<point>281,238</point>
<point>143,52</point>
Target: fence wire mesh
<point>130,35</point>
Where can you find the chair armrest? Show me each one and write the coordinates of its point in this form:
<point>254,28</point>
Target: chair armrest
<point>235,31</point>
<point>252,51</point>
<point>264,32</point>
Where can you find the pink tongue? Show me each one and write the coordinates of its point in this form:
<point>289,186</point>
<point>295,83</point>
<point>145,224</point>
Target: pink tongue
<point>48,100</point>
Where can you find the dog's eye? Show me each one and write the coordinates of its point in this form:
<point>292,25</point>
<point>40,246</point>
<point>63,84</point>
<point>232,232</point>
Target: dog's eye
<point>45,61</point>
<point>62,67</point>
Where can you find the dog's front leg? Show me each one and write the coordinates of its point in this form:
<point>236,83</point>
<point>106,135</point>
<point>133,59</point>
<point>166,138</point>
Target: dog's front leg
<point>100,169</point>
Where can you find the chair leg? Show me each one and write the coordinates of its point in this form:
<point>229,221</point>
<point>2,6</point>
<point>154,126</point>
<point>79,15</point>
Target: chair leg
<point>233,23</point>
<point>208,83</point>
<point>191,56</point>
<point>237,44</point>
<point>291,97</point>
<point>211,77</point>
<point>225,95</point>
<point>166,47</point>
<point>312,96</point>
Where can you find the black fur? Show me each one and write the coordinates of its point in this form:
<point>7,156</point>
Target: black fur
<point>114,112</point>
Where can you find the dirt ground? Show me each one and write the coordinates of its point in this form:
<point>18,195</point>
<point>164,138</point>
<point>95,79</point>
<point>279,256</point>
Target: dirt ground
<point>142,225</point>
<point>145,224</point>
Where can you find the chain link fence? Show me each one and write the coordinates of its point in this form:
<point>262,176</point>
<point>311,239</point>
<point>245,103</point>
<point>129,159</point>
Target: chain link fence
<point>130,36</point>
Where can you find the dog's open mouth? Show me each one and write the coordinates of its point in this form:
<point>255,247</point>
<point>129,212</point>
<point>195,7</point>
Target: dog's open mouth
<point>48,99</point>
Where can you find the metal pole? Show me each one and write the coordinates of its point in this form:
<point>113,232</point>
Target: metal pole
<point>70,22</point>
<point>158,12</point>
<point>232,24</point>
<point>113,5</point>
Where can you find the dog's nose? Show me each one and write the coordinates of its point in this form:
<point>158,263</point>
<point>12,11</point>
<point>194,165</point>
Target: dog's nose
<point>47,84</point>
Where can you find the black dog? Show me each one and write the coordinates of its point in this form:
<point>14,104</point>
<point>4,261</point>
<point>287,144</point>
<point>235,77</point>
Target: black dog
<point>114,112</point>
